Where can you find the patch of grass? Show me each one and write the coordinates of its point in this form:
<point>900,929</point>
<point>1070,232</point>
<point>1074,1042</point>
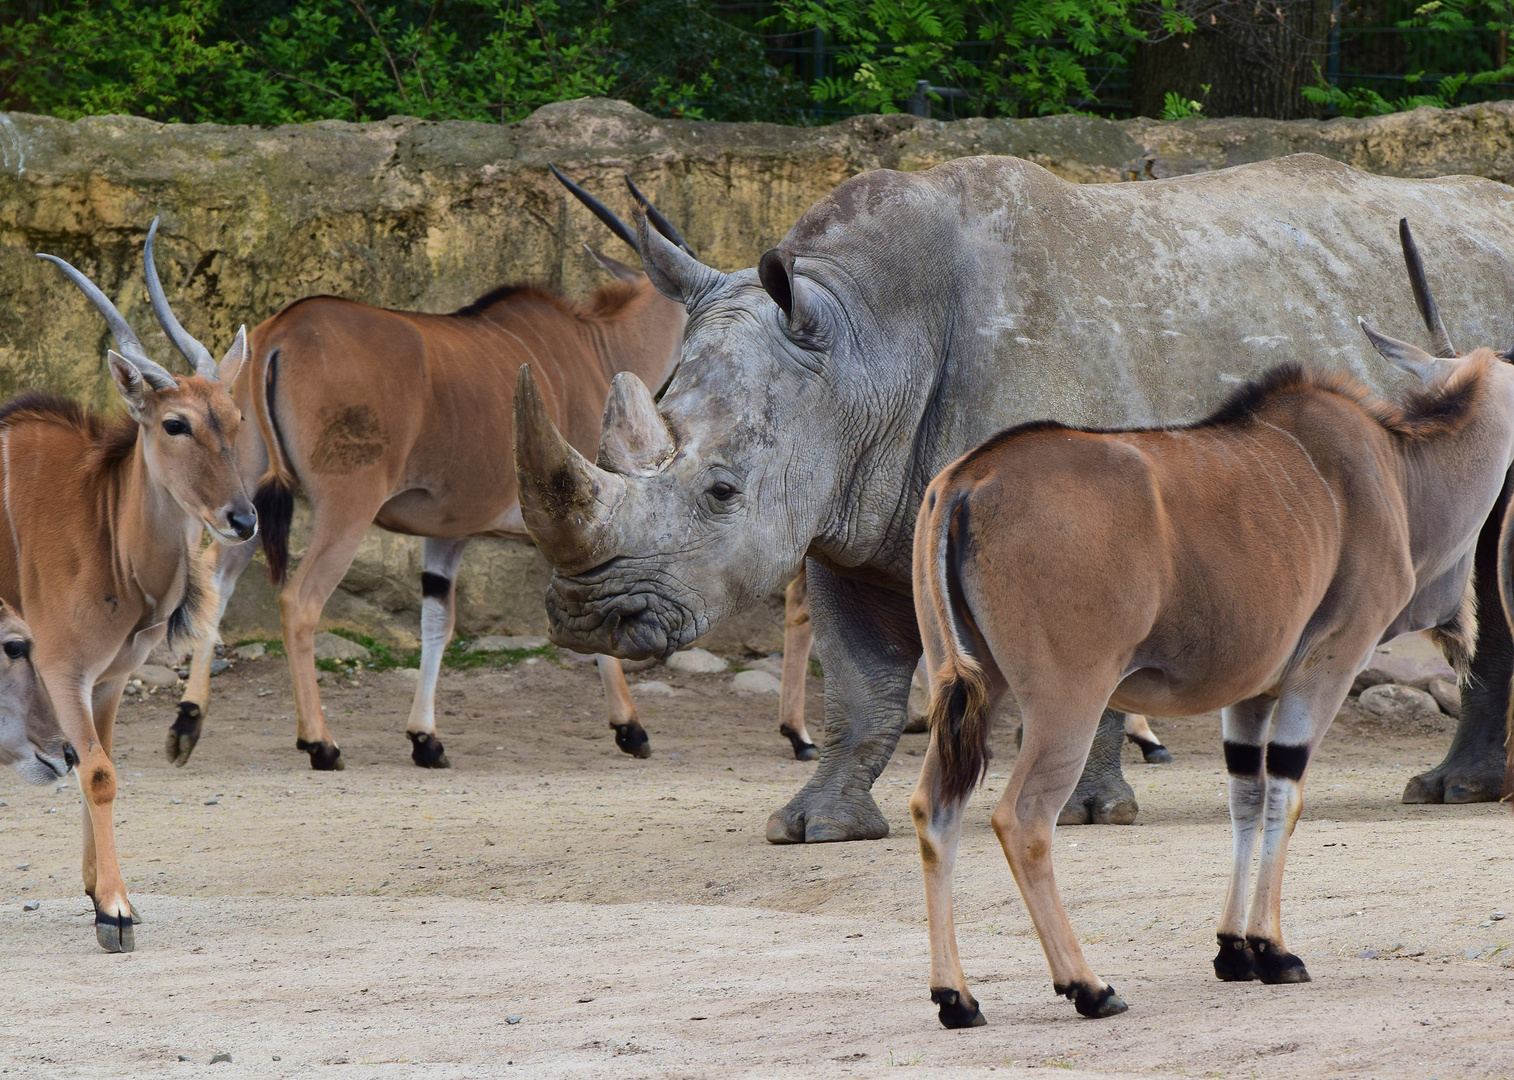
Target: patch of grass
<point>273,645</point>
<point>387,658</point>
<point>382,657</point>
<point>815,668</point>
<point>457,658</point>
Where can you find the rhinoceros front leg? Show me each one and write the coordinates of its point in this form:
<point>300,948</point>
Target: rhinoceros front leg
<point>868,643</point>
<point>1474,766</point>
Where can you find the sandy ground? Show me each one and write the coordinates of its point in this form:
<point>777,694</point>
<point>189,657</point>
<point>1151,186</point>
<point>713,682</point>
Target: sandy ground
<point>388,921</point>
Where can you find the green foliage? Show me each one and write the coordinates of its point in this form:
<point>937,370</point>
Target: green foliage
<point>1177,107</point>
<point>1012,57</point>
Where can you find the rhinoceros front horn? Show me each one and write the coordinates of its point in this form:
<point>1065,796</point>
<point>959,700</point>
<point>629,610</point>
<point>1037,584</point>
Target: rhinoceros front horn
<point>568,504</point>
<point>634,438</point>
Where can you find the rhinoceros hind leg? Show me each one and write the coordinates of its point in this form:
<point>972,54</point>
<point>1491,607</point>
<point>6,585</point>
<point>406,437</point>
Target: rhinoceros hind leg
<point>1102,796</point>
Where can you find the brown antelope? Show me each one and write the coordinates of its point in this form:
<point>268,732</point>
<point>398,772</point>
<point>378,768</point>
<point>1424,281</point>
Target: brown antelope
<point>105,519</point>
<point>403,419</point>
<point>30,738</point>
<point>1249,562</point>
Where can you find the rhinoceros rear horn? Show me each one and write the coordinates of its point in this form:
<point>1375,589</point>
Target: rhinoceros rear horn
<point>634,438</point>
<point>568,504</point>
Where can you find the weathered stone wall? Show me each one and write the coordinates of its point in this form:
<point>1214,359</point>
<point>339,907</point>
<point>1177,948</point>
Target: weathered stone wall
<point>426,215</point>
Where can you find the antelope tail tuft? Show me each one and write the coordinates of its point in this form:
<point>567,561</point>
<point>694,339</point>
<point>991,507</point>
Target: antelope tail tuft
<point>959,724</point>
<point>274,499</point>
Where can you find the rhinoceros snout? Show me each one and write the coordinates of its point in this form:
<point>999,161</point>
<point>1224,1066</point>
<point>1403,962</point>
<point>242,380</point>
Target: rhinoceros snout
<point>632,626</point>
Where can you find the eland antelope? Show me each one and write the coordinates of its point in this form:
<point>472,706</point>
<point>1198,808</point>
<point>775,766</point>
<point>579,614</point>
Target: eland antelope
<point>1249,562</point>
<point>105,519</point>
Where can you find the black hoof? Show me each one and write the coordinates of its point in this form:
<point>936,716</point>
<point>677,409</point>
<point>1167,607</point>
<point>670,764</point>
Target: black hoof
<point>804,750</point>
<point>954,1014</point>
<point>1094,1003</point>
<point>184,733</point>
<point>426,750</point>
<point>1154,752</point>
<point>114,932</point>
<point>1235,962</point>
<point>1275,964</point>
<point>632,738</point>
<point>324,756</point>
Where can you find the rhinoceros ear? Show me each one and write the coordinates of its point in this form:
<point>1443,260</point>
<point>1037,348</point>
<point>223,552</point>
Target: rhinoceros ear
<point>776,272</point>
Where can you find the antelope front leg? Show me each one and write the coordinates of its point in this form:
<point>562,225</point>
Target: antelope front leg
<point>1245,733</point>
<point>938,826</point>
<point>439,562</point>
<point>798,638</point>
<point>1051,758</point>
<point>228,562</point>
<point>630,736</point>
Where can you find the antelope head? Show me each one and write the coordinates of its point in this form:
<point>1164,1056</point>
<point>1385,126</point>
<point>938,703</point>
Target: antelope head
<point>30,738</point>
<point>188,425</point>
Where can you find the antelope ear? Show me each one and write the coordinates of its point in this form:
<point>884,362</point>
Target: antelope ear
<point>1401,354</point>
<point>130,383</point>
<point>776,272</point>
<point>614,267</point>
<point>231,363</point>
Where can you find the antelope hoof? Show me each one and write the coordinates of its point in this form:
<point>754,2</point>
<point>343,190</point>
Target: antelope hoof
<point>114,932</point>
<point>324,756</point>
<point>817,817</point>
<point>632,738</point>
<point>184,733</point>
<point>426,750</point>
<point>955,1013</point>
<point>1094,1003</point>
<point>1153,752</point>
<point>1274,964</point>
<point>1235,962</point>
<point>804,750</point>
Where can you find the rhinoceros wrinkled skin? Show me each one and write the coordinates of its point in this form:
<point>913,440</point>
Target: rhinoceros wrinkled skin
<point>905,318</point>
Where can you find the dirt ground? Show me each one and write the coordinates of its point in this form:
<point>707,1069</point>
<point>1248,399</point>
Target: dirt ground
<point>389,922</point>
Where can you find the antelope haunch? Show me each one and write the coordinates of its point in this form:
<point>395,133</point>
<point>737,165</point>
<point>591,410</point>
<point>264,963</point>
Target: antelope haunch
<point>403,419</point>
<point>105,519</point>
<point>30,738</point>
<point>1249,562</point>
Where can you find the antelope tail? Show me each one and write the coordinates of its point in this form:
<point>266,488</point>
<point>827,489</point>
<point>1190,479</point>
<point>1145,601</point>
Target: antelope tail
<point>1506,593</point>
<point>958,718</point>
<point>274,499</point>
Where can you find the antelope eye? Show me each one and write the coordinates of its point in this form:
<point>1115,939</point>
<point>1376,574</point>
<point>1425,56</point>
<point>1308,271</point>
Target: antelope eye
<point>17,650</point>
<point>722,491</point>
<point>174,426</point>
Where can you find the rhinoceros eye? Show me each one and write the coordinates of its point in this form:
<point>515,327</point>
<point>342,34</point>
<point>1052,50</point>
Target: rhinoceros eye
<point>722,491</point>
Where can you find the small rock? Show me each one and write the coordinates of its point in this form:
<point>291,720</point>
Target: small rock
<point>697,662</point>
<point>23,866</point>
<point>31,905</point>
<point>411,673</point>
<point>655,687</point>
<point>173,800</point>
<point>1397,703</point>
<point>219,666</point>
<point>773,665</point>
<point>156,676</point>
<point>132,689</point>
<point>1447,695</point>
<point>212,802</point>
<point>1367,954</point>
<point>577,657</point>
<point>515,1018</point>
<point>186,1057</point>
<point>216,1059</point>
<point>757,682</point>
<point>1409,660</point>
<point>329,646</point>
<point>1499,916</point>
<point>497,643</point>
<point>1485,923</point>
<point>1471,954</point>
<point>253,650</point>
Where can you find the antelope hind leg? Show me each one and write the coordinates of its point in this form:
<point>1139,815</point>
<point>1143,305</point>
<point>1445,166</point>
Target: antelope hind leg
<point>630,736</point>
<point>439,562</point>
<point>228,562</point>
<point>798,639</point>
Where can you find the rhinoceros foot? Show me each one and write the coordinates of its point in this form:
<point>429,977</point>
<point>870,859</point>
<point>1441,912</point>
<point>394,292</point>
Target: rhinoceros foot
<point>820,817</point>
<point>1100,800</point>
<point>1457,781</point>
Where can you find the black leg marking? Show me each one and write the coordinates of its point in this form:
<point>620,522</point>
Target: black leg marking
<point>1154,752</point>
<point>1243,759</point>
<point>803,750</point>
<point>434,586</point>
<point>1276,965</point>
<point>632,738</point>
<point>426,750</point>
<point>1287,762</point>
<point>1234,962</point>
<point>954,1014</point>
<point>324,756</point>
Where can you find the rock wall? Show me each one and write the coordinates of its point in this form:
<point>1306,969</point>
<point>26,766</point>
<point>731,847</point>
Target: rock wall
<point>416,214</point>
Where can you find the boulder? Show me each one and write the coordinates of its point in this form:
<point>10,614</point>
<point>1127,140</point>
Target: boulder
<point>1395,703</point>
<point>655,687</point>
<point>156,675</point>
<point>697,662</point>
<point>498,643</point>
<point>1447,695</point>
<point>1408,660</point>
<point>253,650</point>
<point>757,682</point>
<point>329,646</point>
<point>919,704</point>
<point>773,665</point>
